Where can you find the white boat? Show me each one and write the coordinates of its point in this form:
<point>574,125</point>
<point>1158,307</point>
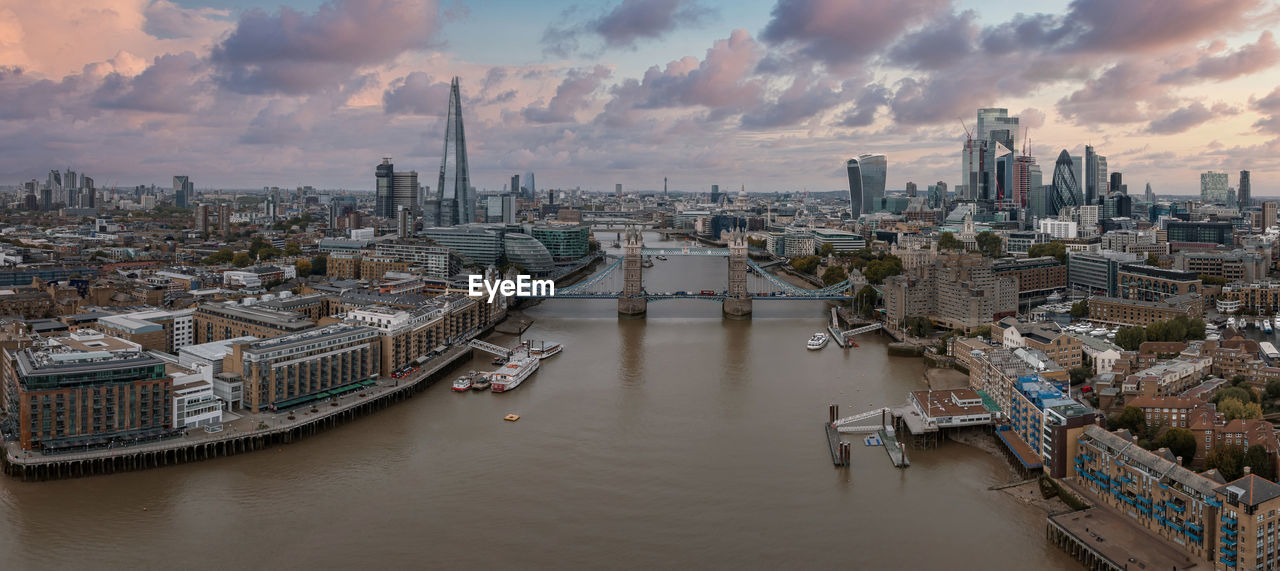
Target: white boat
<point>818,341</point>
<point>1258,323</point>
<point>510,375</point>
<point>1266,326</point>
<point>1099,332</point>
<point>1231,323</point>
<point>462,383</point>
<point>543,349</point>
<point>1276,321</point>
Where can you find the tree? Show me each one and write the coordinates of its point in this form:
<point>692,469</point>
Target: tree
<point>805,264</point>
<point>1131,418</point>
<point>292,249</point>
<point>1212,280</point>
<point>1080,374</point>
<point>865,301</point>
<point>826,249</point>
<point>948,241</point>
<point>1260,461</point>
<point>222,256</point>
<point>834,275</point>
<point>1130,338</point>
<point>1080,309</point>
<point>1181,442</point>
<point>989,243</point>
<point>984,331</point>
<point>241,260</point>
<point>303,268</point>
<point>1153,260</point>
<point>1228,459</point>
<point>1055,249</point>
<point>1273,389</point>
<point>918,326</point>
<point>320,265</point>
<point>269,253</point>
<point>1232,409</point>
<point>1241,394</point>
<point>876,271</point>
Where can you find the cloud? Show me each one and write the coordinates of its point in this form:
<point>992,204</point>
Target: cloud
<point>942,42</point>
<point>292,52</point>
<point>1031,118</point>
<point>171,85</point>
<point>167,21</point>
<point>626,24</point>
<point>1187,117</point>
<point>1249,59</point>
<point>866,103</point>
<point>573,94</point>
<point>839,33</point>
<point>416,94</point>
<point>807,96</point>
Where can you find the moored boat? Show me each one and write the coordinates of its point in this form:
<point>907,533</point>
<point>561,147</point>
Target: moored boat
<point>462,384</point>
<point>818,341</point>
<point>542,349</point>
<point>510,375</point>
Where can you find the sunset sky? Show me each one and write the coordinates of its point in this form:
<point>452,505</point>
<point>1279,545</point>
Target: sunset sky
<point>774,95</point>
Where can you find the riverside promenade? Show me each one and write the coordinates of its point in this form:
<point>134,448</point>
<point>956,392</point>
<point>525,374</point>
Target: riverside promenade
<point>252,431</point>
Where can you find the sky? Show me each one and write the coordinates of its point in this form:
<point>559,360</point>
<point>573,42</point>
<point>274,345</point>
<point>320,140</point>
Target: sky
<point>770,95</point>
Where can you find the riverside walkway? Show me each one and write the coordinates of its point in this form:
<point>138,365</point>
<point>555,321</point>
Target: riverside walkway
<point>253,431</point>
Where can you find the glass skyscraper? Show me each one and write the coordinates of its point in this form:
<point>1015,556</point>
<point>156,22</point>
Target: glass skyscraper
<point>454,201</point>
<point>866,183</point>
<point>384,193</point>
<point>1066,187</point>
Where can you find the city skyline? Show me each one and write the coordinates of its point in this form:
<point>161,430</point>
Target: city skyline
<point>776,96</point>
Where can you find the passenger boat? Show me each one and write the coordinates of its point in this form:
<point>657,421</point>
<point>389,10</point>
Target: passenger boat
<point>481,383</point>
<point>543,349</point>
<point>510,375</point>
<point>818,341</point>
<point>462,384</point>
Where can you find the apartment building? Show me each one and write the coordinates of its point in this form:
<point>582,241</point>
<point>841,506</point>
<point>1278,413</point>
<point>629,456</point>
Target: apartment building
<point>218,321</point>
<point>1124,312</point>
<point>291,370</point>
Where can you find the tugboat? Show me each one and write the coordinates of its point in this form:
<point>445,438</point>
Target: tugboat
<point>462,384</point>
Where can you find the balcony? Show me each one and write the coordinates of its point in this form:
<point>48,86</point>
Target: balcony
<point>1226,531</point>
<point>1228,562</point>
<point>1230,521</point>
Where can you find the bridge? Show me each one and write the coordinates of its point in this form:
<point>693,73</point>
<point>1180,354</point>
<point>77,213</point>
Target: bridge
<point>748,281</point>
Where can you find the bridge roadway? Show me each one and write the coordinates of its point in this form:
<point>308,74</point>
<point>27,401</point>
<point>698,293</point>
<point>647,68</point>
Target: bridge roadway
<point>717,296</point>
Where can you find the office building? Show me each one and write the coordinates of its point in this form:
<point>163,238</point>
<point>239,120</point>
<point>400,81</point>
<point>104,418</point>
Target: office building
<point>87,389</point>
<point>477,244</point>
<point>1114,311</point>
<point>454,201</point>
<point>1036,277</point>
<point>957,291</point>
<point>1097,272</point>
<point>937,195</point>
<point>1066,186</point>
<point>1244,195</point>
<point>291,370</point>
<point>1150,283</point>
<point>218,321</point>
<point>840,240</point>
<point>1213,187</point>
<point>395,190</point>
<point>1222,233</point>
<point>1096,182</point>
<point>1232,265</point>
<point>527,253</point>
<point>866,183</point>
<point>564,241</point>
<point>183,191</point>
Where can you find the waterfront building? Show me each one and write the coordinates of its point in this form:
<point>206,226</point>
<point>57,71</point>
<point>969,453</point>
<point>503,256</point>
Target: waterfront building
<point>1046,337</point>
<point>563,241</point>
<point>413,335</point>
<point>218,321</point>
<point>477,244</point>
<point>1047,421</point>
<point>797,244</point>
<point>87,389</point>
<point>993,371</point>
<point>1097,272</point>
<point>194,401</point>
<point>1149,283</point>
<point>1036,277</point>
<point>291,370</point>
<point>1116,311</point>
<point>528,254</point>
<point>435,260</point>
<point>867,174</point>
<point>950,408</point>
<point>958,291</point>
<point>1259,296</point>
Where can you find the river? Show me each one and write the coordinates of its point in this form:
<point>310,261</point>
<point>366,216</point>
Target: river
<point>682,439</point>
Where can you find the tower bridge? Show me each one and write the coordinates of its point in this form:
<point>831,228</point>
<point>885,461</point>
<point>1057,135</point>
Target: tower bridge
<point>747,280</point>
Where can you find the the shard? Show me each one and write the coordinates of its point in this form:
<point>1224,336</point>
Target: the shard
<point>453,202</point>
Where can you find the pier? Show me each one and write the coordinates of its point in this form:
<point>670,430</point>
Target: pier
<point>250,433</point>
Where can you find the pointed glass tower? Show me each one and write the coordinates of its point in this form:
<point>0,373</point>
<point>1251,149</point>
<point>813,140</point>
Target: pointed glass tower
<point>455,204</point>
<point>1066,187</point>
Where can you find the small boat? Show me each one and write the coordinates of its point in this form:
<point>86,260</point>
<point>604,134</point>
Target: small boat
<point>1231,323</point>
<point>662,258</point>
<point>481,383</point>
<point>462,384</point>
<point>1258,323</point>
<point>499,361</point>
<point>1266,326</point>
<point>542,349</point>
<point>1276,321</point>
<point>818,341</point>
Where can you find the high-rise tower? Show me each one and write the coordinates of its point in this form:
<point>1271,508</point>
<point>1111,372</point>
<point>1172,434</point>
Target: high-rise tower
<point>1245,193</point>
<point>456,205</point>
<point>866,183</point>
<point>1066,187</point>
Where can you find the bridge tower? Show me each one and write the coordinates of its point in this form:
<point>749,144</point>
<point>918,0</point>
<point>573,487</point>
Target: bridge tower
<point>737,301</point>
<point>631,301</point>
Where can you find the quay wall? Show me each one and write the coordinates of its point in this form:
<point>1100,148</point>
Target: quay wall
<point>155,455</point>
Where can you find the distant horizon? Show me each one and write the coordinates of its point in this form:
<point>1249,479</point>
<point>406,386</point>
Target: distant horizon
<point>780,92</point>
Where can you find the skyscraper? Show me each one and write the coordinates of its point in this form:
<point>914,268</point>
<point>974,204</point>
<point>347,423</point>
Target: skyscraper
<point>515,184</point>
<point>1148,195</point>
<point>456,202</point>
<point>384,192</point>
<point>1213,187</point>
<point>1117,182</point>
<point>404,191</point>
<point>715,194</point>
<point>533,191</point>
<point>1066,187</point>
<point>1022,183</point>
<point>911,189</point>
<point>995,124</point>
<point>1245,195</point>
<point>1095,176</point>
<point>974,170</point>
<point>183,188</point>
<point>866,183</point>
